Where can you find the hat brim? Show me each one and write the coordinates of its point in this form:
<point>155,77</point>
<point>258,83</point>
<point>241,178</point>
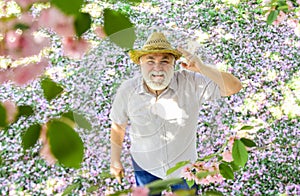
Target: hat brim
<point>136,54</point>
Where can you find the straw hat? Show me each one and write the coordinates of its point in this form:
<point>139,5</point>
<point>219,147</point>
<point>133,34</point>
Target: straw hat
<point>156,43</point>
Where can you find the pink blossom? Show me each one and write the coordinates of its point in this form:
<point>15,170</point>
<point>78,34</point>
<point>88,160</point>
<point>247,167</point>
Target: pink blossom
<point>290,5</point>
<point>281,17</point>
<point>24,74</point>
<point>297,30</point>
<point>11,111</point>
<point>227,156</point>
<point>187,174</point>
<point>45,151</point>
<point>5,76</point>
<point>56,20</point>
<point>24,44</point>
<point>140,191</point>
<point>298,1</point>
<point>26,3</point>
<point>75,48</point>
<point>100,32</point>
<point>292,22</point>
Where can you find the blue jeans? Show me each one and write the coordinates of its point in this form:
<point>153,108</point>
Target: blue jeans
<point>143,177</point>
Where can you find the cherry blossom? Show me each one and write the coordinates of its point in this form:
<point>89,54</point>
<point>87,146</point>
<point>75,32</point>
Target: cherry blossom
<point>100,32</point>
<point>227,156</point>
<point>45,151</point>
<point>75,48</point>
<point>26,3</point>
<point>281,17</point>
<point>11,111</point>
<point>22,75</point>
<point>56,20</point>
<point>140,191</point>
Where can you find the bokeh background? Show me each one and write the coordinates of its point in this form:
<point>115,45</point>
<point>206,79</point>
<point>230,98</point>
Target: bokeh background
<point>231,35</point>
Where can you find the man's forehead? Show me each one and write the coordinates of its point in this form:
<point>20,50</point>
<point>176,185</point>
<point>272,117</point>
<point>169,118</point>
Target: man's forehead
<point>158,55</point>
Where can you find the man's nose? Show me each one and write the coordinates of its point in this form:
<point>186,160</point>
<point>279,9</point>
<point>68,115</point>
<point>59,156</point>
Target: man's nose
<point>157,66</point>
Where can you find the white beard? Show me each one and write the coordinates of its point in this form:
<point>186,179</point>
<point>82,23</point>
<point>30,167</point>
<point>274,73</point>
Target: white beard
<point>158,80</point>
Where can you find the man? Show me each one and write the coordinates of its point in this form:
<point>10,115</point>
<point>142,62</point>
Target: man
<point>162,107</point>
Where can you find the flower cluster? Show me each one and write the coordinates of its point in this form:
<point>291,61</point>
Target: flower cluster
<point>203,173</point>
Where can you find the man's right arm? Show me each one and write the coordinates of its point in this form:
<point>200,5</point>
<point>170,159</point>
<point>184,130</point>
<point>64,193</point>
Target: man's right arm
<point>116,139</point>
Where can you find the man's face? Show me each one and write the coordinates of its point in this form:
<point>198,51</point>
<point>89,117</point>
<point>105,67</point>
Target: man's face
<point>157,69</point>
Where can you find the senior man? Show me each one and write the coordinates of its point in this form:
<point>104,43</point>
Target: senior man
<point>162,106</point>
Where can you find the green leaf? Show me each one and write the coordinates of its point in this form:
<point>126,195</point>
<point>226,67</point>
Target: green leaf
<point>92,188</point>
<point>70,188</point>
<point>68,115</point>
<point>119,28</point>
<point>105,174</point>
<point>21,26</point>
<point>234,166</point>
<point>69,7</point>
<point>30,137</point>
<point>191,192</point>
<point>190,183</point>
<point>120,192</point>
<point>2,116</point>
<point>79,119</point>
<point>82,23</point>
<point>24,110</point>
<point>248,142</point>
<point>239,153</point>
<point>50,89</point>
<point>226,171</point>
<point>247,127</point>
<point>204,174</point>
<point>160,185</point>
<point>177,166</point>
<point>65,144</point>
<point>212,193</point>
<point>272,16</point>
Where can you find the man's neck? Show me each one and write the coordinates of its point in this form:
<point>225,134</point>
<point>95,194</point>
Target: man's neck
<point>155,92</point>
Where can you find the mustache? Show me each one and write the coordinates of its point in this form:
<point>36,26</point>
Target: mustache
<point>158,73</point>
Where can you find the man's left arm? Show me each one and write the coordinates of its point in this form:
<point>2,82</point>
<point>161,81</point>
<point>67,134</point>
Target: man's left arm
<point>227,83</point>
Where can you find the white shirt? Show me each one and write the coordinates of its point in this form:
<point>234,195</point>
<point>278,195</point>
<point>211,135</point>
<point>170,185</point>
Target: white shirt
<point>163,128</point>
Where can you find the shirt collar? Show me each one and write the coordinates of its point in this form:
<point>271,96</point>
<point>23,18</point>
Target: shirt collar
<point>141,89</point>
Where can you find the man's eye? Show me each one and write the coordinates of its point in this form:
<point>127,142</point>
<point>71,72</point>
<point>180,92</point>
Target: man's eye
<point>165,62</point>
<point>150,62</point>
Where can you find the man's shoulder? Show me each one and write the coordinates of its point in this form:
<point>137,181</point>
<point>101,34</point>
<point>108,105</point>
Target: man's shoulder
<point>131,83</point>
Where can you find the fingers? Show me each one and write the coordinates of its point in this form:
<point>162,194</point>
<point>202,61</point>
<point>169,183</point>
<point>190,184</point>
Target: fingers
<point>118,173</point>
<point>120,176</point>
<point>185,53</point>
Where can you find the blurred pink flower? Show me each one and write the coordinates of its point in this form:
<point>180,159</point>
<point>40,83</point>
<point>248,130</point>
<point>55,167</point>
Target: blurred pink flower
<point>290,5</point>
<point>24,74</point>
<point>24,44</point>
<point>11,111</point>
<point>187,174</point>
<point>5,76</point>
<point>298,1</point>
<point>140,191</point>
<point>297,30</point>
<point>26,3</point>
<point>281,17</point>
<point>227,156</point>
<point>75,48</point>
<point>56,20</point>
<point>100,32</point>
<point>292,22</point>
<point>45,151</point>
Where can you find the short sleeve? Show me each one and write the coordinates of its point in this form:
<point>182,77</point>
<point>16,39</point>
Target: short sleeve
<point>205,88</point>
<point>119,110</point>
